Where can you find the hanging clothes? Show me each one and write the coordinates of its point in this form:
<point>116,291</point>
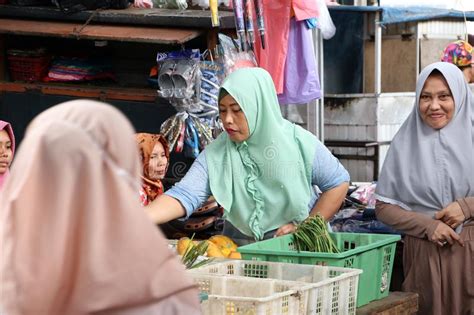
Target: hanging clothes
<point>301,80</point>
<point>277,28</point>
<point>305,9</point>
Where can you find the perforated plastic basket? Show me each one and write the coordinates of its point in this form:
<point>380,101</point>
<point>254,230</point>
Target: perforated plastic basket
<point>239,295</point>
<point>373,253</point>
<point>26,67</point>
<point>329,290</point>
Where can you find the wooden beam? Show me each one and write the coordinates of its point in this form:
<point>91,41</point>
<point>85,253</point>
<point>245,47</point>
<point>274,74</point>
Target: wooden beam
<point>76,90</point>
<point>191,18</point>
<point>403,303</point>
<point>169,36</point>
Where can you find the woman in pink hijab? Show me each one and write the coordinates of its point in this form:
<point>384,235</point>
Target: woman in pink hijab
<point>73,238</point>
<point>7,149</point>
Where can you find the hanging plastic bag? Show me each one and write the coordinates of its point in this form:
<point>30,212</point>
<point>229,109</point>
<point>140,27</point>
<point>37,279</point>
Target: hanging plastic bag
<point>204,4</point>
<point>176,4</point>
<point>365,194</point>
<point>325,24</point>
<point>211,72</point>
<point>179,79</point>
<point>232,58</point>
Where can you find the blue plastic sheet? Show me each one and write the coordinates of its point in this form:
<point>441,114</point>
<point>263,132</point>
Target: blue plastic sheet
<point>411,14</point>
<point>391,15</point>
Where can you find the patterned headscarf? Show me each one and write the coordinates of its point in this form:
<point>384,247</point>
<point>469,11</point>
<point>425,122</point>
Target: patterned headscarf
<point>146,143</point>
<point>458,53</point>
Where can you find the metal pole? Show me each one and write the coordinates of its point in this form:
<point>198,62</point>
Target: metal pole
<point>321,82</point>
<point>418,41</point>
<point>311,107</point>
<point>378,55</point>
<point>315,109</point>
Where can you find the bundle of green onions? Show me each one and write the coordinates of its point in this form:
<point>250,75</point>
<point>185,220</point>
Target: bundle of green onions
<point>193,252</point>
<point>312,235</point>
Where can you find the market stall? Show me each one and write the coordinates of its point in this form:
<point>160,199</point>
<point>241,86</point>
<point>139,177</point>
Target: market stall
<point>345,273</point>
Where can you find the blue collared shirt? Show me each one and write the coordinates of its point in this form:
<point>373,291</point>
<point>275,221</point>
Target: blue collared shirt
<point>193,190</point>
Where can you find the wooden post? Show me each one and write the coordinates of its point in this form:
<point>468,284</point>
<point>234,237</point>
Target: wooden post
<point>212,39</point>
<point>3,58</point>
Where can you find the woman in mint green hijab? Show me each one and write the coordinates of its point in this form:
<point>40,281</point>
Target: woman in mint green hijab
<point>261,170</point>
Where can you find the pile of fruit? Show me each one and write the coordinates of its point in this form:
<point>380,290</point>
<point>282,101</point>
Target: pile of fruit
<point>217,246</point>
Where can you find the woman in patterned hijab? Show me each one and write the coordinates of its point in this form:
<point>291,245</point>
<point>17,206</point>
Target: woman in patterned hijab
<point>155,154</point>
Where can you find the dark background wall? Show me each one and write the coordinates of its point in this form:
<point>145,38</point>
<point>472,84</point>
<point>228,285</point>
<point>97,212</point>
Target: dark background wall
<point>344,54</point>
<point>20,108</point>
<point>131,64</point>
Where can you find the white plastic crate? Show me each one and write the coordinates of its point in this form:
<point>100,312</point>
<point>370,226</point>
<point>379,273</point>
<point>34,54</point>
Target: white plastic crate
<point>244,296</point>
<point>328,290</point>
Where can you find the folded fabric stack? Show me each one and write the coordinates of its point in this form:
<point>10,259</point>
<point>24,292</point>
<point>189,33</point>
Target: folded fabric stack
<point>67,69</point>
<point>358,214</point>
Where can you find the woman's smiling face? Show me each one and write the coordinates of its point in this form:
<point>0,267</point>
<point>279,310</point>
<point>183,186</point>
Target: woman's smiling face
<point>436,102</point>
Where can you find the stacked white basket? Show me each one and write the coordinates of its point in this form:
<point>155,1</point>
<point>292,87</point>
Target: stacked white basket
<point>249,296</point>
<point>259,287</point>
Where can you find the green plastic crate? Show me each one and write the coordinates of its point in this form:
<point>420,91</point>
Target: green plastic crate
<point>373,253</point>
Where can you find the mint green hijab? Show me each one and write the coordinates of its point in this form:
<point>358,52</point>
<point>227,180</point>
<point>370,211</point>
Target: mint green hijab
<point>265,181</point>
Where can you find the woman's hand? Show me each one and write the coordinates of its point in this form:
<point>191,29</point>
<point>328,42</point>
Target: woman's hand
<point>452,215</point>
<point>443,234</point>
<point>285,229</point>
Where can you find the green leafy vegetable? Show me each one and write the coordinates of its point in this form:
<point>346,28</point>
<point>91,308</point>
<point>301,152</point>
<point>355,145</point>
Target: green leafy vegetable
<point>312,235</point>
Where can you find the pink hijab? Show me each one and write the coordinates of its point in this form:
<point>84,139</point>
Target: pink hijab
<point>74,239</point>
<point>8,128</point>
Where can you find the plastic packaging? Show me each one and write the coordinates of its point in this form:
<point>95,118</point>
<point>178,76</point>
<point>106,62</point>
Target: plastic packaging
<point>171,4</point>
<point>204,4</point>
<point>365,194</point>
<point>328,29</point>
<point>233,59</point>
<point>179,79</point>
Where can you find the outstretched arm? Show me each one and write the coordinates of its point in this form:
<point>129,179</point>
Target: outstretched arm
<point>185,197</point>
<point>330,201</point>
<point>164,209</point>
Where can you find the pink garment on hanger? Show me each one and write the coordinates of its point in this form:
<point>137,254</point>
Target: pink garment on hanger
<point>277,27</point>
<point>305,9</point>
